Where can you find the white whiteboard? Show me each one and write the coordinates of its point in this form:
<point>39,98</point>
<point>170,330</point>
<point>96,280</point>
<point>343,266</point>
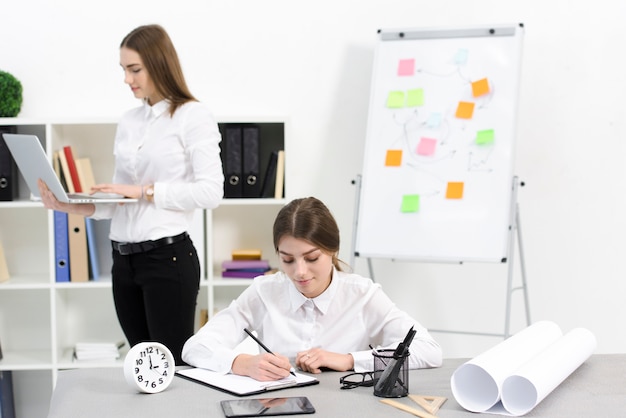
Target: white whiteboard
<point>437,175</point>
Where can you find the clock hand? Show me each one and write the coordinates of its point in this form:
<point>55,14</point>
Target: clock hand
<point>150,358</point>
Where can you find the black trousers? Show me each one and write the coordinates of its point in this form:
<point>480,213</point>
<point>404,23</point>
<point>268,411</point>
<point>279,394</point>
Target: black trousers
<point>155,294</point>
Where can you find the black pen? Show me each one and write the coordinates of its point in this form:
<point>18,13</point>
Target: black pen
<point>292,371</point>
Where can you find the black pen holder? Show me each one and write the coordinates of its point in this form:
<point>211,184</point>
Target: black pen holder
<point>391,375</point>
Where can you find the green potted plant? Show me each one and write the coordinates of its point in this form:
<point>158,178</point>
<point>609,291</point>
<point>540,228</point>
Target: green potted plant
<point>10,95</point>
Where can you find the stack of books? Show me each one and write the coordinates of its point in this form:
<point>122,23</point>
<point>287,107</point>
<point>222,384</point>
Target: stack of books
<point>245,264</point>
<point>88,351</point>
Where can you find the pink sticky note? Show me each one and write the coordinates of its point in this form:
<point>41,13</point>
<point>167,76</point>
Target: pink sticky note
<point>426,146</point>
<point>406,67</point>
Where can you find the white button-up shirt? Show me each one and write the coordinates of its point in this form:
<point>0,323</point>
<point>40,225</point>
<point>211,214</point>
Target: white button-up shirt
<point>180,155</point>
<point>349,316</point>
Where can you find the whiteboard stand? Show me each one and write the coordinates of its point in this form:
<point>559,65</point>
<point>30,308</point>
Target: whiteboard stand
<point>514,229</point>
<point>357,197</point>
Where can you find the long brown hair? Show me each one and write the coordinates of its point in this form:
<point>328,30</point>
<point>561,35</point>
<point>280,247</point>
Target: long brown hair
<point>160,59</point>
<point>309,219</point>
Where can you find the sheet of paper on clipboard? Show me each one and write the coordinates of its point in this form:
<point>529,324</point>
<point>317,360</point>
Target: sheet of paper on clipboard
<point>243,385</point>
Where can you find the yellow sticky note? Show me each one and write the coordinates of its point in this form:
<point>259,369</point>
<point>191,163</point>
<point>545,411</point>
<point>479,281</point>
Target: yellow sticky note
<point>454,190</point>
<point>395,99</point>
<point>465,110</point>
<point>485,137</point>
<point>480,87</point>
<point>410,203</point>
<point>415,97</point>
<point>393,158</point>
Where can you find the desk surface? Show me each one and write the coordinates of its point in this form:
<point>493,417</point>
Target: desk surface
<point>596,388</point>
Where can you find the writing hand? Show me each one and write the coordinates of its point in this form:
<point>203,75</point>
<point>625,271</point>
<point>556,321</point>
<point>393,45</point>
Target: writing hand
<point>262,367</point>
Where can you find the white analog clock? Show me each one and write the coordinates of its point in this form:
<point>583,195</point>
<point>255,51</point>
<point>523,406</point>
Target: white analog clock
<point>149,367</point>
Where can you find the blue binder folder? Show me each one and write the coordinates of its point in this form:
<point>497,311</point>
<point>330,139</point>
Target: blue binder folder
<point>61,247</point>
<point>94,267</point>
<point>7,401</point>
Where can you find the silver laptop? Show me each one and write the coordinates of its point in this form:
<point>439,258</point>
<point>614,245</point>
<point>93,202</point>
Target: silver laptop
<point>34,164</point>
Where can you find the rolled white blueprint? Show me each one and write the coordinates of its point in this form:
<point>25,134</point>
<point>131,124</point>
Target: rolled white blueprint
<point>522,391</point>
<point>476,384</point>
<point>515,375</point>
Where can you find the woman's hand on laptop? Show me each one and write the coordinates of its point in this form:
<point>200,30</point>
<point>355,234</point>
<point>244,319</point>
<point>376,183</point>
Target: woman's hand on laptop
<point>50,201</point>
<point>127,190</point>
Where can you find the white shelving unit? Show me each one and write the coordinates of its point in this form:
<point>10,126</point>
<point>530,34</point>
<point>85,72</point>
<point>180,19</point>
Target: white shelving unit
<point>243,223</point>
<point>41,320</point>
<point>237,223</point>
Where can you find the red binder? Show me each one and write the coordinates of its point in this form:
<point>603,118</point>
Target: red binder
<point>71,164</point>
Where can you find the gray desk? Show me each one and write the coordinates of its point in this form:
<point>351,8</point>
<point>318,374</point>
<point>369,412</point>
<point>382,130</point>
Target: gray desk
<point>597,388</point>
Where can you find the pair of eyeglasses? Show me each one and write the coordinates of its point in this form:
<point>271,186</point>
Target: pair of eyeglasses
<point>354,380</point>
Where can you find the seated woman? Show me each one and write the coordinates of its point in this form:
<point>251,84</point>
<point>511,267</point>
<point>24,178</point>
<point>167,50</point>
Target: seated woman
<point>310,313</point>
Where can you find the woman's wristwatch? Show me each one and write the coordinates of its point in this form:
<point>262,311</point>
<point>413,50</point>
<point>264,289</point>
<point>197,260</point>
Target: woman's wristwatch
<point>149,193</point>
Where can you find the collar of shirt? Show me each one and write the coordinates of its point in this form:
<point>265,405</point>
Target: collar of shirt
<point>322,302</point>
<point>156,110</point>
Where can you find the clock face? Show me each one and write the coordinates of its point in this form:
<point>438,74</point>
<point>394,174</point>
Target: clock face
<point>149,367</point>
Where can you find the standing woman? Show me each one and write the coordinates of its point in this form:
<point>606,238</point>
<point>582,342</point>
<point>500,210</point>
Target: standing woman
<point>167,155</point>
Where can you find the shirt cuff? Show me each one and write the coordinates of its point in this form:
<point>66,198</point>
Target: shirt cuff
<point>363,361</point>
<point>160,191</point>
<point>219,361</point>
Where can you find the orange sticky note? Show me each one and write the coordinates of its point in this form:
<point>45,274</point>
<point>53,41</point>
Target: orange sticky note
<point>454,190</point>
<point>465,110</point>
<point>393,158</point>
<point>480,87</point>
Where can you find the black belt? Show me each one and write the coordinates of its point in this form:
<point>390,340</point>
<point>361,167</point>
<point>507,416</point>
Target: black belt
<point>127,248</point>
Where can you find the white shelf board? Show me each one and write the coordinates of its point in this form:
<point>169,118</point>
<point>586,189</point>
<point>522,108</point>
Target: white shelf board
<point>67,361</point>
<point>228,281</point>
<point>252,202</point>
<point>102,283</point>
<point>26,360</point>
<point>22,282</point>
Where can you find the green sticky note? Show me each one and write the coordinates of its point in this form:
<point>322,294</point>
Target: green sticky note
<point>485,137</point>
<point>410,203</point>
<point>415,98</point>
<point>395,99</point>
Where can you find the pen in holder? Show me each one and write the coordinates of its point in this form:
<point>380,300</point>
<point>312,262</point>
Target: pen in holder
<point>391,374</point>
<point>391,369</point>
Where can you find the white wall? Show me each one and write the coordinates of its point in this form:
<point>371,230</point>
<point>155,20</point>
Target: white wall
<point>311,61</point>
